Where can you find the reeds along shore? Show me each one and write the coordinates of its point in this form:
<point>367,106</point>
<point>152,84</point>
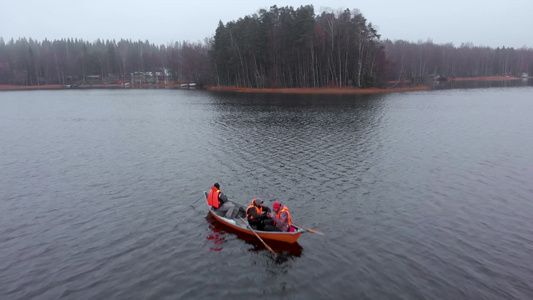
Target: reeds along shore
<point>324,90</point>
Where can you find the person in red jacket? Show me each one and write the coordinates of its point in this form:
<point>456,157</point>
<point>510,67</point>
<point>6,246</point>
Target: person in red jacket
<point>219,201</point>
<point>282,216</point>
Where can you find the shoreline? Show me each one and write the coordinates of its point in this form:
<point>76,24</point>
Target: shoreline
<point>318,91</point>
<point>485,78</point>
<point>7,87</point>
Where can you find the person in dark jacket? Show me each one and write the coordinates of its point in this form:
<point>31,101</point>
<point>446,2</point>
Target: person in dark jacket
<point>256,214</point>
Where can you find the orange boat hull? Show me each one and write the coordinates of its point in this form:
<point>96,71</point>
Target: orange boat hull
<point>284,237</point>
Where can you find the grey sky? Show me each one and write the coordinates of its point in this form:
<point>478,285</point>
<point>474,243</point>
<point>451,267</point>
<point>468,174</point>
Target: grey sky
<point>492,23</point>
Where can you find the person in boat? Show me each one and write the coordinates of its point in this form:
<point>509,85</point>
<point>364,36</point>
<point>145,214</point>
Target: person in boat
<point>256,214</point>
<point>281,217</point>
<point>219,201</point>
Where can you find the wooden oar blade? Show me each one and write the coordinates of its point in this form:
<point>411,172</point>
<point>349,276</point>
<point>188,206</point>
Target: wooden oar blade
<point>264,243</point>
<point>310,230</point>
<point>315,231</point>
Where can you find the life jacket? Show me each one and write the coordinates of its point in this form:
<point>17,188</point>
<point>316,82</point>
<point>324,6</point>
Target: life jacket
<point>212,199</point>
<point>258,210</point>
<point>285,209</point>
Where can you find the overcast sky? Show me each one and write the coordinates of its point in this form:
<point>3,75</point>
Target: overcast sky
<point>492,23</point>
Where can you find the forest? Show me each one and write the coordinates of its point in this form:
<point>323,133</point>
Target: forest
<point>281,47</point>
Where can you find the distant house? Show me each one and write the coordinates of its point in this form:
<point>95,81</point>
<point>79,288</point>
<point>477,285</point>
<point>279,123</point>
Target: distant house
<point>93,79</point>
<point>524,75</point>
<point>137,77</point>
<point>113,78</point>
<point>156,77</point>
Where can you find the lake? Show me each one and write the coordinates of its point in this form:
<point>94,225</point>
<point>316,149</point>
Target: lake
<point>421,195</point>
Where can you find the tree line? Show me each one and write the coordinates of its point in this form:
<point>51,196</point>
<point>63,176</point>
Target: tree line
<point>425,59</point>
<point>278,47</point>
<point>65,61</point>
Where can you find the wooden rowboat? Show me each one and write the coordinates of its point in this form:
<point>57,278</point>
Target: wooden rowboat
<point>237,224</point>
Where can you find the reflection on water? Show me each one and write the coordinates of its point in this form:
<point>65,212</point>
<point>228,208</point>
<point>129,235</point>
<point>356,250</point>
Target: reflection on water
<point>270,147</point>
<point>216,239</point>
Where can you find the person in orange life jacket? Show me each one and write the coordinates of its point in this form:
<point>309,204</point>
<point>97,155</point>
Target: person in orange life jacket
<point>282,216</point>
<point>219,201</point>
<point>256,214</point>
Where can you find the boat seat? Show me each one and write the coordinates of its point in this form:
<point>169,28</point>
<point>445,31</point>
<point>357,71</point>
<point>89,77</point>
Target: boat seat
<point>237,212</point>
<point>220,213</point>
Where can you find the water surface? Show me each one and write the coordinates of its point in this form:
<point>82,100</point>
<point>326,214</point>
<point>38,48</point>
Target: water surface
<point>423,195</point>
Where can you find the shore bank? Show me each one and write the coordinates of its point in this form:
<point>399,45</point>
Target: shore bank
<point>321,91</point>
<point>354,90</point>
<point>33,87</point>
<point>87,86</point>
<point>324,90</point>
<point>485,78</point>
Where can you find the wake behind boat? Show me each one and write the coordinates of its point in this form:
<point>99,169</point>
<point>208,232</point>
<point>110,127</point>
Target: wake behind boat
<point>241,225</point>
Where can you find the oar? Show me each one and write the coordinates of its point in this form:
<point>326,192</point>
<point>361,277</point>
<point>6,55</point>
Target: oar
<point>249,227</point>
<point>310,230</point>
<point>196,201</point>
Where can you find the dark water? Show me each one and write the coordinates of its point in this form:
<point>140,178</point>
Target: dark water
<point>424,195</point>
